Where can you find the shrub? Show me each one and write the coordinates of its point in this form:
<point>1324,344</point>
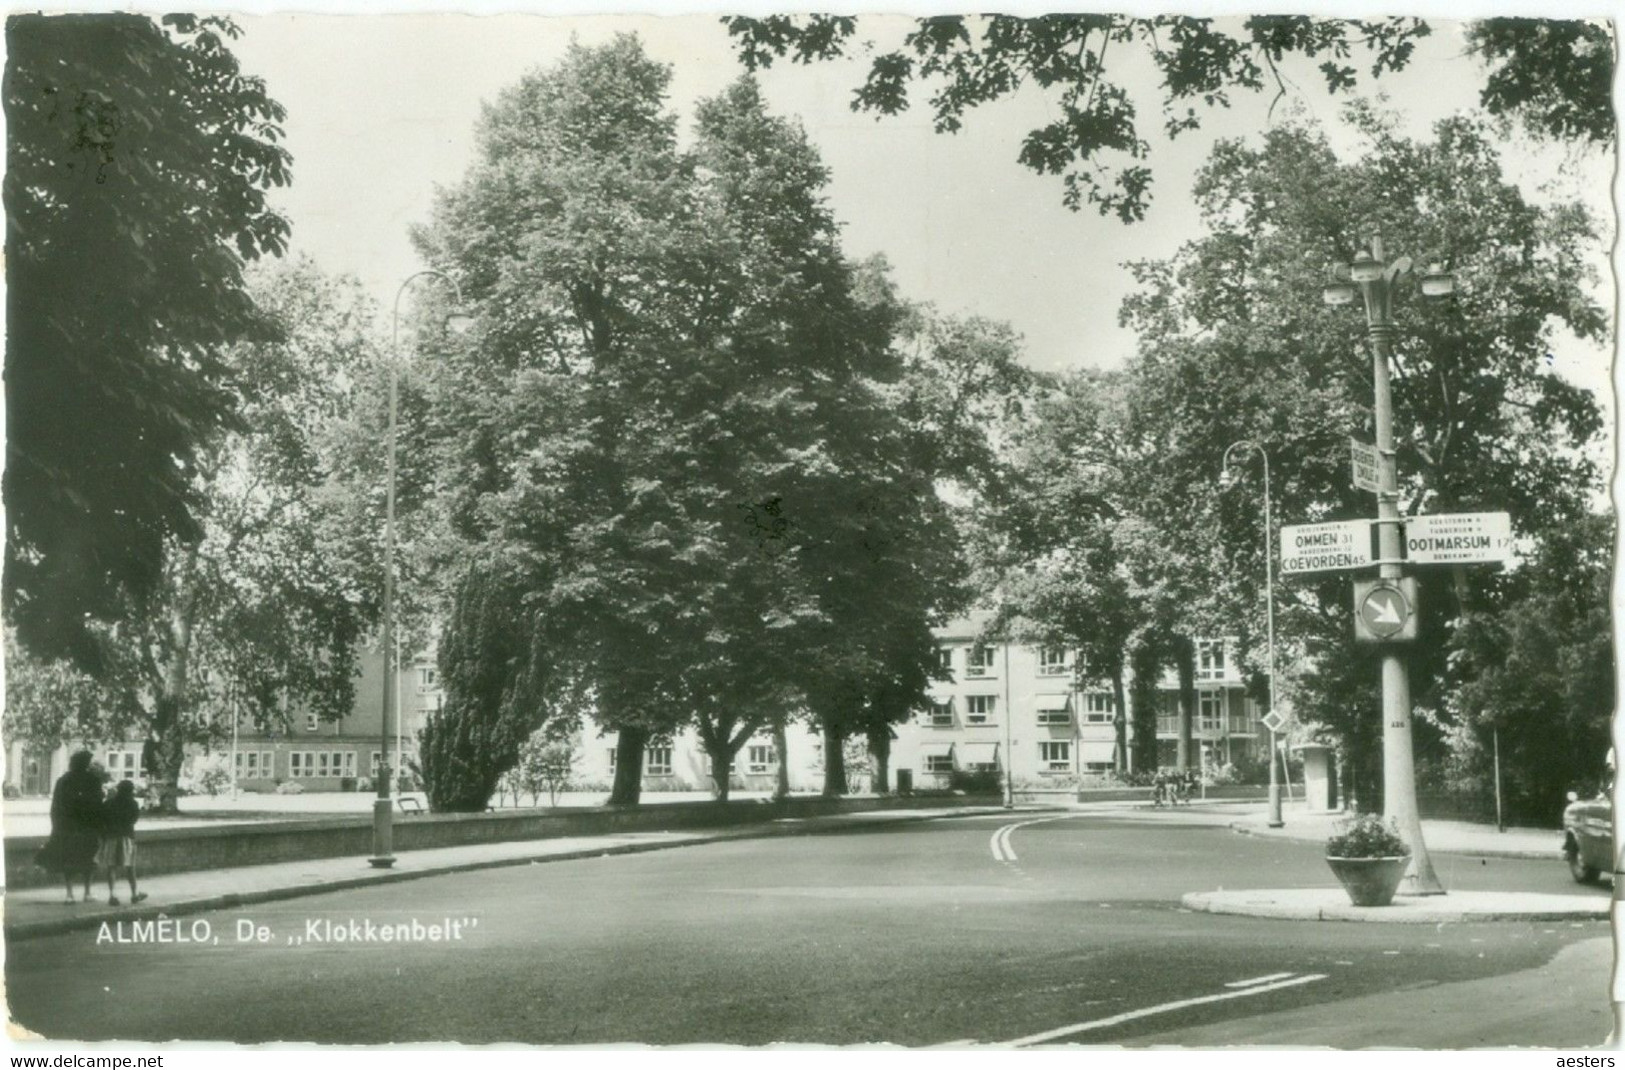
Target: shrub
<point>290,787</point>
<point>1367,836</point>
<point>976,782</point>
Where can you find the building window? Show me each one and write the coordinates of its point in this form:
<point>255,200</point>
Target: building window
<point>426,679</point>
<point>312,722</point>
<point>759,758</point>
<point>121,765</point>
<point>1244,722</point>
<point>1054,709</point>
<point>1052,662</point>
<point>1055,756</point>
<point>1210,711</point>
<point>1099,708</point>
<point>298,764</point>
<point>942,714</point>
<point>612,762</point>
<point>979,709</point>
<point>1210,659</point>
<point>657,761</point>
<point>347,764</point>
<point>255,764</point>
<point>945,658</point>
<point>377,766</point>
<point>978,661</point>
<point>939,763</point>
<point>1097,768</point>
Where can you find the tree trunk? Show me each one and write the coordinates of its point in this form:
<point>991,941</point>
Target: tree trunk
<point>834,763</point>
<point>781,746</point>
<point>1120,719</point>
<point>1185,660</point>
<point>629,744</point>
<point>1144,692</point>
<point>722,767</point>
<point>168,729</point>
<point>880,759</point>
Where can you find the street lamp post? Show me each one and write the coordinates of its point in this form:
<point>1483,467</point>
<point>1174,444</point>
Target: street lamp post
<point>383,829</point>
<point>1275,820</point>
<point>1374,277</point>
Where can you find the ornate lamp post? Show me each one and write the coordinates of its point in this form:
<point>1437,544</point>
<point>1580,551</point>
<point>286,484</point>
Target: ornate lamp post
<point>1372,277</point>
<point>383,830</point>
<point>1275,820</point>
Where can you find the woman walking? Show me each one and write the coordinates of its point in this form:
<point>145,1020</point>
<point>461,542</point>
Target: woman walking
<point>118,839</point>
<point>76,814</point>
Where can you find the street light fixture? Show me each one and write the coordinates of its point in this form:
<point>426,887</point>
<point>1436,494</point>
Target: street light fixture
<point>1275,820</point>
<point>1376,278</point>
<point>383,830</point>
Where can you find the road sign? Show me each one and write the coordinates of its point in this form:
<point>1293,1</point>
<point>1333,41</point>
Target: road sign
<point>1322,547</point>
<point>1273,721</point>
<point>1385,611</point>
<point>1367,467</point>
<point>1458,539</point>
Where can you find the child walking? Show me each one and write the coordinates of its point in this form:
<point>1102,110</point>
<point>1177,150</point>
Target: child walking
<point>118,839</point>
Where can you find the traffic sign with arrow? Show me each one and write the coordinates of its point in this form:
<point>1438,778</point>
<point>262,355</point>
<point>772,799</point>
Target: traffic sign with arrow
<point>1385,611</point>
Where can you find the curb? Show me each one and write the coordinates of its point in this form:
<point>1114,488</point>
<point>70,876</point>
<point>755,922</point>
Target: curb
<point>1201,902</point>
<point>1554,855</point>
<point>792,827</point>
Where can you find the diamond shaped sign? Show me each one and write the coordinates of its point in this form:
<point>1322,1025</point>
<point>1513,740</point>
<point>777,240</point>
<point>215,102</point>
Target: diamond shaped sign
<point>1273,721</point>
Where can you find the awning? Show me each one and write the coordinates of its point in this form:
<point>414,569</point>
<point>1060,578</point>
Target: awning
<point>979,754</point>
<point>1091,750</point>
<point>936,750</point>
<point>1050,703</point>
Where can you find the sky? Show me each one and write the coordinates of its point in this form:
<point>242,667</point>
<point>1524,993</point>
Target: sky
<point>381,109</point>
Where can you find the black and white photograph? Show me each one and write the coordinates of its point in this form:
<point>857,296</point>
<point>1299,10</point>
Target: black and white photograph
<point>756,529</point>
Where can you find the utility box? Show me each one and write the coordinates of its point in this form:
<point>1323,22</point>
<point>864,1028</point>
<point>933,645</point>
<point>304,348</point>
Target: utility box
<point>1319,777</point>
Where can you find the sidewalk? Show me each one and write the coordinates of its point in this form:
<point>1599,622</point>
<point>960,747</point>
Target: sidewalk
<point>1452,837</point>
<point>41,912</point>
<point>1442,837</point>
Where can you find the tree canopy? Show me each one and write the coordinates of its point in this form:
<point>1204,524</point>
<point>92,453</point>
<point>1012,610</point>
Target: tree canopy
<point>138,160</point>
<point>677,409</point>
<point>1556,74</point>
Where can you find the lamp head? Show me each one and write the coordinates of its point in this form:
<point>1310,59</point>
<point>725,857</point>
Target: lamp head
<point>1437,281</point>
<point>459,322</point>
<point>1366,267</point>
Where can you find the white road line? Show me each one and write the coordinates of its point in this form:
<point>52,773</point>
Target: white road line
<point>1003,850</point>
<point>1256,980</point>
<point>1162,1008</point>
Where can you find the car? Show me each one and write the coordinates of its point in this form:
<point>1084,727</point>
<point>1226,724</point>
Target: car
<point>1588,837</point>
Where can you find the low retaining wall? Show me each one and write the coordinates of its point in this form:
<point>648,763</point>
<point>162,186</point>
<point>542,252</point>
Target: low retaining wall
<point>223,846</point>
<point>1222,793</point>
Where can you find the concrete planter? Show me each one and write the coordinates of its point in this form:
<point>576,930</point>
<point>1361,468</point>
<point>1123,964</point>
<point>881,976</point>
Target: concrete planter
<point>1370,882</point>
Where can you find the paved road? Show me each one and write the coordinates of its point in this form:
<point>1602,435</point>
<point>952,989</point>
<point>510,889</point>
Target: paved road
<point>930,934</point>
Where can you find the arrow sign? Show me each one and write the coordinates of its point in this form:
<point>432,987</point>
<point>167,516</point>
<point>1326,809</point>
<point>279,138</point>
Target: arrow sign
<point>1367,467</point>
<point>1459,539</point>
<point>1385,610</point>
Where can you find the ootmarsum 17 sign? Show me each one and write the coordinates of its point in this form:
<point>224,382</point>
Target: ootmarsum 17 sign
<point>1458,538</point>
<point>1324,547</point>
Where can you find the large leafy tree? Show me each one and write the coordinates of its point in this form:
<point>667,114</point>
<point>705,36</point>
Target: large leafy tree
<point>677,405</point>
<point>1555,74</point>
<point>1533,663</point>
<point>262,616</point>
<point>1236,344</point>
<point>138,159</point>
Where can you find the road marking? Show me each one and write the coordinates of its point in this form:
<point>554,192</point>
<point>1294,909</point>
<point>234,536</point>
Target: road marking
<point>1161,1008</point>
<point>1000,845</point>
<point>1256,980</point>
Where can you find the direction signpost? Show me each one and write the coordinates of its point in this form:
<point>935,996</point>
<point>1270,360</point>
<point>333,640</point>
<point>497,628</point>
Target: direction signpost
<point>1459,539</point>
<point>1367,465</point>
<point>1324,547</point>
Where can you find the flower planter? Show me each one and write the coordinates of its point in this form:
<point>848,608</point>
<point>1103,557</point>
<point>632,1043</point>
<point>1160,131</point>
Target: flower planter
<point>1370,882</point>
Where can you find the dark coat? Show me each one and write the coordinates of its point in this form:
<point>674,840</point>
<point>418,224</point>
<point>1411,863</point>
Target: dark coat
<point>119,815</point>
<point>76,823</point>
